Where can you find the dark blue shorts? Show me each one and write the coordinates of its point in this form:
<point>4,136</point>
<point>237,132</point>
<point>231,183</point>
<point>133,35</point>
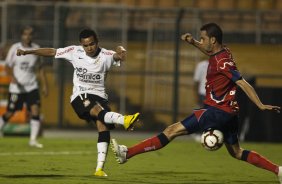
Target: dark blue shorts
<point>211,117</point>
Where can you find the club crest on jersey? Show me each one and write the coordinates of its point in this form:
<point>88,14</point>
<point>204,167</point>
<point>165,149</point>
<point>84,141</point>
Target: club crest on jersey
<point>97,61</point>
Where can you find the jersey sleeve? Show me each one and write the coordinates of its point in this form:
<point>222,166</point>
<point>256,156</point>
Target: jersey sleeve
<point>109,55</point>
<point>65,53</point>
<point>228,68</point>
<point>11,56</point>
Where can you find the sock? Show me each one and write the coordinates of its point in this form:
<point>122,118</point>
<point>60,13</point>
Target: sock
<point>259,161</point>
<point>113,117</point>
<point>147,145</point>
<point>102,148</point>
<point>34,129</point>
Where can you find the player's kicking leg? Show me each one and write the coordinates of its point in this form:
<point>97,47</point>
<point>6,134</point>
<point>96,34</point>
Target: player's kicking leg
<point>120,151</point>
<point>127,121</point>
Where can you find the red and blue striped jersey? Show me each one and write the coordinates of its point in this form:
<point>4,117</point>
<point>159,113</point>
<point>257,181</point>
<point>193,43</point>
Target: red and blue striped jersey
<point>222,74</point>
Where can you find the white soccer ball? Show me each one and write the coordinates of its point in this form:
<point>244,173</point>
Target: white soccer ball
<point>212,139</point>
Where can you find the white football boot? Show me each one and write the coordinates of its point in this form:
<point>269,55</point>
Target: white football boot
<point>120,151</point>
<point>35,144</point>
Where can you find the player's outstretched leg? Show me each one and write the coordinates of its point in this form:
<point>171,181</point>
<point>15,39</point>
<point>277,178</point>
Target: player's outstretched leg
<point>123,153</point>
<point>120,151</point>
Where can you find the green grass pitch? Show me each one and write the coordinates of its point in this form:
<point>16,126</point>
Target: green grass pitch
<point>73,160</point>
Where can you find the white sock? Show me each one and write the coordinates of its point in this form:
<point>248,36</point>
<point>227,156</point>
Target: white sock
<point>2,123</point>
<point>102,149</point>
<point>34,129</point>
<point>113,117</point>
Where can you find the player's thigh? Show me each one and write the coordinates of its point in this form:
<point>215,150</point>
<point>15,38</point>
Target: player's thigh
<point>32,100</point>
<point>175,130</point>
<point>231,130</point>
<point>191,124</point>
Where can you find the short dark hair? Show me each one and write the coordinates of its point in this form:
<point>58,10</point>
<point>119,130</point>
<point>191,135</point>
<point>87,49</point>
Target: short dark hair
<point>213,30</point>
<point>86,33</point>
<point>26,28</point>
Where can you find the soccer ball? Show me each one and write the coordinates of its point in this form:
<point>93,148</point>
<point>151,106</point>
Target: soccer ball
<point>212,139</point>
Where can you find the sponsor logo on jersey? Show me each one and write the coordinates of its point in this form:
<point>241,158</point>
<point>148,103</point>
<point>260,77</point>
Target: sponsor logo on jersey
<point>83,76</point>
<point>65,51</point>
<point>107,53</point>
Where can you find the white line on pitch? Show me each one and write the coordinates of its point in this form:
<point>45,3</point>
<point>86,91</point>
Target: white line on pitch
<point>48,153</point>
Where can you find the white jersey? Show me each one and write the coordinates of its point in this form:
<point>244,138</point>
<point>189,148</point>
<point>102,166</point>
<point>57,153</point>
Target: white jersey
<point>23,68</point>
<point>89,73</point>
<point>200,76</point>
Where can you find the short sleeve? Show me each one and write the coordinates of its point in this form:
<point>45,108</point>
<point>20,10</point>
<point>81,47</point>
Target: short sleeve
<point>109,59</point>
<point>228,68</point>
<point>11,56</point>
<point>65,53</point>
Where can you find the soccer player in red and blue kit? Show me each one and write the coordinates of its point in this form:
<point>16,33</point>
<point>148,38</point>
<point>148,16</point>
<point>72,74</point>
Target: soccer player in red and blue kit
<point>220,110</point>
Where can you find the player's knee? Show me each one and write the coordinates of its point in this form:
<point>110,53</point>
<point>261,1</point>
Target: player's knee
<point>35,110</point>
<point>170,132</point>
<point>237,154</point>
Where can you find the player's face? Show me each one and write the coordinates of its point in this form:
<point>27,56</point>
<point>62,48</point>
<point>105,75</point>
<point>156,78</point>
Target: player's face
<point>205,40</point>
<point>27,36</point>
<point>90,45</point>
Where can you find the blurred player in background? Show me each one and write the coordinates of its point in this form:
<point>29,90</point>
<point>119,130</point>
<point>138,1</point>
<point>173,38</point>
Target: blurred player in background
<point>199,78</point>
<point>89,99</point>
<point>24,87</point>
<point>220,110</point>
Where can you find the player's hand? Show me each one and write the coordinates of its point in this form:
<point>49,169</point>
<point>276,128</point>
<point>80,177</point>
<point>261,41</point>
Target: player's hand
<point>45,91</point>
<point>20,52</point>
<point>271,108</point>
<point>120,53</point>
<point>188,38</point>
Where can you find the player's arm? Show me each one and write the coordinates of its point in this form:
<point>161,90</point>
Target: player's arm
<point>47,52</point>
<point>187,37</point>
<point>120,54</point>
<point>251,93</point>
<point>43,78</point>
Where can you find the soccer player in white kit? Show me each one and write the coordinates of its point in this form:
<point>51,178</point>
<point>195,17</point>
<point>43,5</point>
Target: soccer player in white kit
<point>89,99</point>
<point>24,86</point>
